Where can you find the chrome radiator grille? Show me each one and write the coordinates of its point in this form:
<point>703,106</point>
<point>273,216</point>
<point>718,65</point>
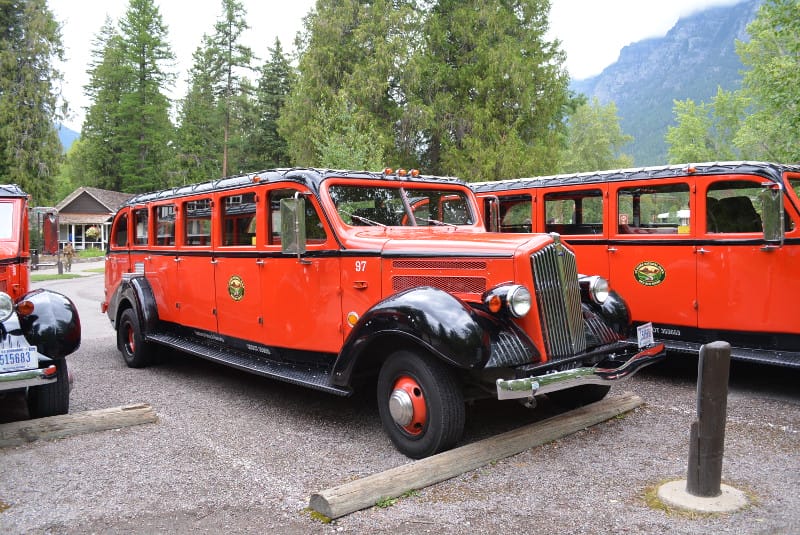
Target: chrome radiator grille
<point>555,275</point>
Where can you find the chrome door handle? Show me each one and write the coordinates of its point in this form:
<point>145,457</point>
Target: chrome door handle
<point>612,249</point>
<point>703,250</point>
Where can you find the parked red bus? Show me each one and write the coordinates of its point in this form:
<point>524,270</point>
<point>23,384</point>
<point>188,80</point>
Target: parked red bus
<point>704,251</point>
<point>336,280</point>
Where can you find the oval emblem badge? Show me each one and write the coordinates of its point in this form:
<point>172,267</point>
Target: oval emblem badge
<point>236,288</point>
<point>649,273</point>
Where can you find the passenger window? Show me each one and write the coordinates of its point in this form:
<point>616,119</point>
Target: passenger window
<point>315,232</point>
<point>515,214</point>
<point>732,206</point>
<point>165,224</point>
<point>121,231</point>
<point>654,209</point>
<point>239,219</point>
<point>140,221</point>
<point>574,212</point>
<point>197,223</point>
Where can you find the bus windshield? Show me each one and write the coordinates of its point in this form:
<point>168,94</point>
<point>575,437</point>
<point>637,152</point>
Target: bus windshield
<point>398,206</point>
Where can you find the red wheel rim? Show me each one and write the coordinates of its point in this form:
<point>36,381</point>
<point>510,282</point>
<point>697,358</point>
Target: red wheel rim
<point>416,396</point>
<point>131,340</point>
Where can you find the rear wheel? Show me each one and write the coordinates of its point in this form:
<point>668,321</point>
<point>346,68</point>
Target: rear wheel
<point>135,351</point>
<point>420,404</point>
<point>579,396</point>
<point>53,398</point>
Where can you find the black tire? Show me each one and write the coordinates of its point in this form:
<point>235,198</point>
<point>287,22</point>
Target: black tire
<point>136,352</point>
<point>579,396</point>
<point>53,398</point>
<point>436,388</point>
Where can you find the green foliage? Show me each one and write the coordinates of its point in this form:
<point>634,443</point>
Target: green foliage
<point>30,152</point>
<point>342,143</point>
<point>760,121</point>
<point>594,139</point>
<point>229,59</point>
<point>487,90</point>
<point>199,135</point>
<point>705,132</point>
<point>127,131</point>
<point>772,131</point>
<point>266,148</point>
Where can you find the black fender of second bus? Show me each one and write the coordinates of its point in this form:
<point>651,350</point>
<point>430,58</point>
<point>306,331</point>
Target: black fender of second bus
<point>136,293</point>
<point>613,314</point>
<point>444,326</point>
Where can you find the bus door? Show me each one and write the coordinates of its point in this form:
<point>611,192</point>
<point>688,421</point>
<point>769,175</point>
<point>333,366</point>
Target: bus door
<point>196,302</point>
<point>745,284</point>
<point>160,269</point>
<point>119,259</point>
<point>301,296</point>
<point>578,215</point>
<point>651,254</point>
<point>238,268</point>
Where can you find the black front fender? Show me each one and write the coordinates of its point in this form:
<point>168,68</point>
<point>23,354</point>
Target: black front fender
<point>54,326</point>
<point>135,292</point>
<point>447,327</point>
<point>426,316</point>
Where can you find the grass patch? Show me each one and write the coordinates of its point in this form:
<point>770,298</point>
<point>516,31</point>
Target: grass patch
<point>95,270</point>
<point>4,506</point>
<point>383,503</point>
<point>315,515</point>
<point>54,277</point>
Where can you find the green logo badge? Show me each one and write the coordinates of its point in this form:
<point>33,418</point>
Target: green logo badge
<point>236,288</point>
<point>649,273</point>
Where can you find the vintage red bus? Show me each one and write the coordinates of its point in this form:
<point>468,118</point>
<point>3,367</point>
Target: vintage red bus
<point>333,280</point>
<point>705,252</point>
<point>38,328</point>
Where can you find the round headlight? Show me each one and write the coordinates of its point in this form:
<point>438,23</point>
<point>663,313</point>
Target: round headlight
<point>598,289</point>
<point>6,306</point>
<point>518,300</point>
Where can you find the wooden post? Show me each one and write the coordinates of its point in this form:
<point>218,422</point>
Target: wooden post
<point>707,436</point>
<point>65,425</point>
<point>359,494</point>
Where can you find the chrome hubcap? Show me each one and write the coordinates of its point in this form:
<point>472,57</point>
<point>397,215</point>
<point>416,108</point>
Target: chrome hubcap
<point>401,408</point>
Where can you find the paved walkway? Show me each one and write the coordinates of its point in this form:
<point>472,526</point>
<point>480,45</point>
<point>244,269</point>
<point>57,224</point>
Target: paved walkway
<point>83,266</point>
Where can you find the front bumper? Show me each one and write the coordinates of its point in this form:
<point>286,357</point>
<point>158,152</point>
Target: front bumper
<point>528,387</point>
<point>26,378</point>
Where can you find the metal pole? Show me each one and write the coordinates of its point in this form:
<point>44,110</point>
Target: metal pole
<point>707,438</point>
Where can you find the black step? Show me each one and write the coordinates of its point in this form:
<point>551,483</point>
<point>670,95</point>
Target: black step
<point>309,377</point>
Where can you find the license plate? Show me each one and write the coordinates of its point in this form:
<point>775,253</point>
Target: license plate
<point>14,359</point>
<point>644,334</point>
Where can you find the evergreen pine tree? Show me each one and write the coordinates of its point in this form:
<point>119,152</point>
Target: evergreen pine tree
<point>30,152</point>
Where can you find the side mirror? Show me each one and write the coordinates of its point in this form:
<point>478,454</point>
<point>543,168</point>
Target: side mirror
<point>772,215</point>
<point>492,213</point>
<point>293,226</point>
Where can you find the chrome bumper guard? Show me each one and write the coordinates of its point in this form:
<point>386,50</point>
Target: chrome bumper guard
<point>542,384</point>
<point>25,378</point>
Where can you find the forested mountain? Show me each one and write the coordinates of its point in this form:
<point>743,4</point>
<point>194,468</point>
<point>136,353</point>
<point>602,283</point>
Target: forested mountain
<point>697,56</point>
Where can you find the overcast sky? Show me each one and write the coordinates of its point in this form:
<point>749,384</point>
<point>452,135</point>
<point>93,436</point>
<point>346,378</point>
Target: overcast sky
<point>592,32</point>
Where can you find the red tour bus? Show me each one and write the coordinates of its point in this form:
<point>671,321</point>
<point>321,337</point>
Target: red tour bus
<point>704,251</point>
<point>38,328</point>
<point>337,280</point>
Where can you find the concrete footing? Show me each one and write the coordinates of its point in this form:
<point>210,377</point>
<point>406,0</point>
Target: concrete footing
<point>674,494</point>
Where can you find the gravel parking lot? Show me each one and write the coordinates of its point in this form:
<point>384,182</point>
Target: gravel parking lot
<point>242,454</point>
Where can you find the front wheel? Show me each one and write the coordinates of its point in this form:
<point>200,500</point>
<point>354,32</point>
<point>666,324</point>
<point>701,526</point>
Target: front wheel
<point>53,398</point>
<point>135,351</point>
<point>420,403</point>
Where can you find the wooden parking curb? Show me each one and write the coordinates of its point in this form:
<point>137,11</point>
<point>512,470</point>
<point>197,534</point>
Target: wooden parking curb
<point>65,425</point>
<point>366,492</point>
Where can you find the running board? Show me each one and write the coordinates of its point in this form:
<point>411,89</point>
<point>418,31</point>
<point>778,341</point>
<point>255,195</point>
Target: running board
<point>788,359</point>
<point>298,375</point>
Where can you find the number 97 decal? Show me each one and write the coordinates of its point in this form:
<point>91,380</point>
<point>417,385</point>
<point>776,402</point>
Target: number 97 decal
<point>361,265</point>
